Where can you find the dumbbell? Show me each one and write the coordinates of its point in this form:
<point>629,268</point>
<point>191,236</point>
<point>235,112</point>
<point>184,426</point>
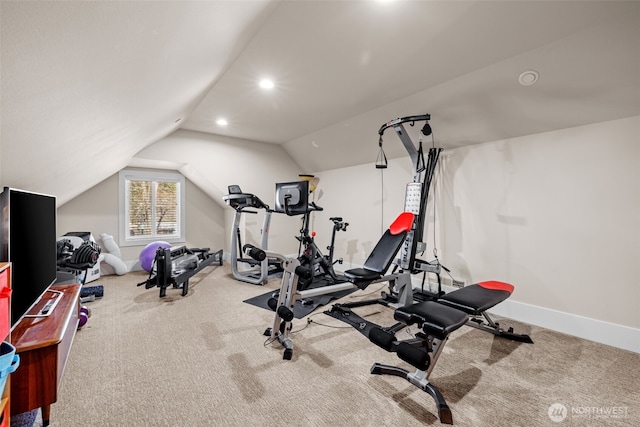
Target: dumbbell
<point>83,317</point>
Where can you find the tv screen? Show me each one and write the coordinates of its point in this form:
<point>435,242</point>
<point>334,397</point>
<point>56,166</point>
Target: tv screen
<point>292,198</point>
<point>29,243</point>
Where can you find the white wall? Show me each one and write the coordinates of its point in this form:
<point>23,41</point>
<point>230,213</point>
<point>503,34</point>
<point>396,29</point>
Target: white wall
<point>557,214</point>
<point>357,194</point>
<point>210,163</point>
<point>96,211</point>
<point>214,162</point>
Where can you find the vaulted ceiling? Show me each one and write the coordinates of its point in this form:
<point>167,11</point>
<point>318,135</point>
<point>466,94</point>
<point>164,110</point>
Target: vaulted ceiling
<point>87,85</point>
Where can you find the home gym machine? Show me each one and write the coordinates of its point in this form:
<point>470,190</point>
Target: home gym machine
<point>292,198</point>
<point>416,197</point>
<point>243,203</point>
<point>375,267</point>
<point>175,266</point>
<point>437,319</point>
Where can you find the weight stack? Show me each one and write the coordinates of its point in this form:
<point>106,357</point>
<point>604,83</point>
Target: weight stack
<point>95,290</point>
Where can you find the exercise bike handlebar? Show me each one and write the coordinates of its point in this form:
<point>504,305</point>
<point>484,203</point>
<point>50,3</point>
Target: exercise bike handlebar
<point>314,207</point>
<point>338,225</point>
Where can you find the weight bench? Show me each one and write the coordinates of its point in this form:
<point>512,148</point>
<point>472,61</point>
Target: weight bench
<point>437,318</point>
<point>437,322</point>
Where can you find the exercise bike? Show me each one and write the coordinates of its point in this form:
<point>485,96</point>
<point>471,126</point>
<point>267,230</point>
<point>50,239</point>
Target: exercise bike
<point>310,256</point>
<point>292,198</point>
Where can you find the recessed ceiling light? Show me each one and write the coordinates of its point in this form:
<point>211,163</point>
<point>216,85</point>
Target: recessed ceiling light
<point>222,122</point>
<point>266,84</point>
<point>529,77</point>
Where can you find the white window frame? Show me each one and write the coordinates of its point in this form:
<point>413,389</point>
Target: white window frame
<point>138,175</point>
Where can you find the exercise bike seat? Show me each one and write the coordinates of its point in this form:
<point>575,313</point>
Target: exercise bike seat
<point>383,253</point>
<point>477,298</point>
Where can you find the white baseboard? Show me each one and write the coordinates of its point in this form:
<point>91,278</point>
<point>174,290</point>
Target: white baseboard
<point>620,336</point>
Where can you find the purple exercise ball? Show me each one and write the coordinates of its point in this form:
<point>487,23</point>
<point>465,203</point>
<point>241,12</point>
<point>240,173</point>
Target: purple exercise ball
<point>148,254</point>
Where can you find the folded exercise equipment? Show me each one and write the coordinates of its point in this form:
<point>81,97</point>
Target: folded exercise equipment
<point>175,266</point>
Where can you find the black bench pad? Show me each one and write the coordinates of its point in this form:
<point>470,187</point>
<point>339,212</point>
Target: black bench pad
<point>477,298</point>
<point>361,277</point>
<point>434,319</point>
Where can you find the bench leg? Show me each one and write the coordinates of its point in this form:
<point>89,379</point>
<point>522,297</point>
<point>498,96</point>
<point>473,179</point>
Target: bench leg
<point>419,380</point>
<point>488,325</point>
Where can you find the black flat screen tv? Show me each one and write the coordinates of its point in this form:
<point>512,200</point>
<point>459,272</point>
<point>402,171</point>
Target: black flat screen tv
<point>29,243</point>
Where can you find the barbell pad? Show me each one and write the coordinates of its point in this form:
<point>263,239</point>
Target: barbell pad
<point>382,338</point>
<point>285,314</point>
<point>303,272</point>
<point>272,303</point>
<point>414,356</point>
<point>255,253</point>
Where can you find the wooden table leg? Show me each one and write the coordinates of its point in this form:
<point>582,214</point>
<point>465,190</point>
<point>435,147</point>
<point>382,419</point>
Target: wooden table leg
<point>46,415</point>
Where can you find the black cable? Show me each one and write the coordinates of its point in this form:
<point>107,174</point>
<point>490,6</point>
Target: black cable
<point>381,201</point>
<point>269,341</point>
<point>310,320</point>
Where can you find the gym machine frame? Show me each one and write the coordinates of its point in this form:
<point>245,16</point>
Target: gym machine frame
<point>284,300</point>
<point>240,202</point>
<point>415,201</point>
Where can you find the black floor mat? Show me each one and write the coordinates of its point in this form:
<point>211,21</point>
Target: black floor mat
<point>301,310</point>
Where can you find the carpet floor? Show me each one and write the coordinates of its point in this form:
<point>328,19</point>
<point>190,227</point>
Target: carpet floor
<point>202,360</point>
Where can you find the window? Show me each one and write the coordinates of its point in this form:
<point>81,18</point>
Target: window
<point>151,208</point>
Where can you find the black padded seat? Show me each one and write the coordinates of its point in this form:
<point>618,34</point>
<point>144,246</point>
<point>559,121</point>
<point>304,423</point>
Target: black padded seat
<point>477,298</point>
<point>434,319</point>
<point>381,256</point>
<point>361,275</point>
